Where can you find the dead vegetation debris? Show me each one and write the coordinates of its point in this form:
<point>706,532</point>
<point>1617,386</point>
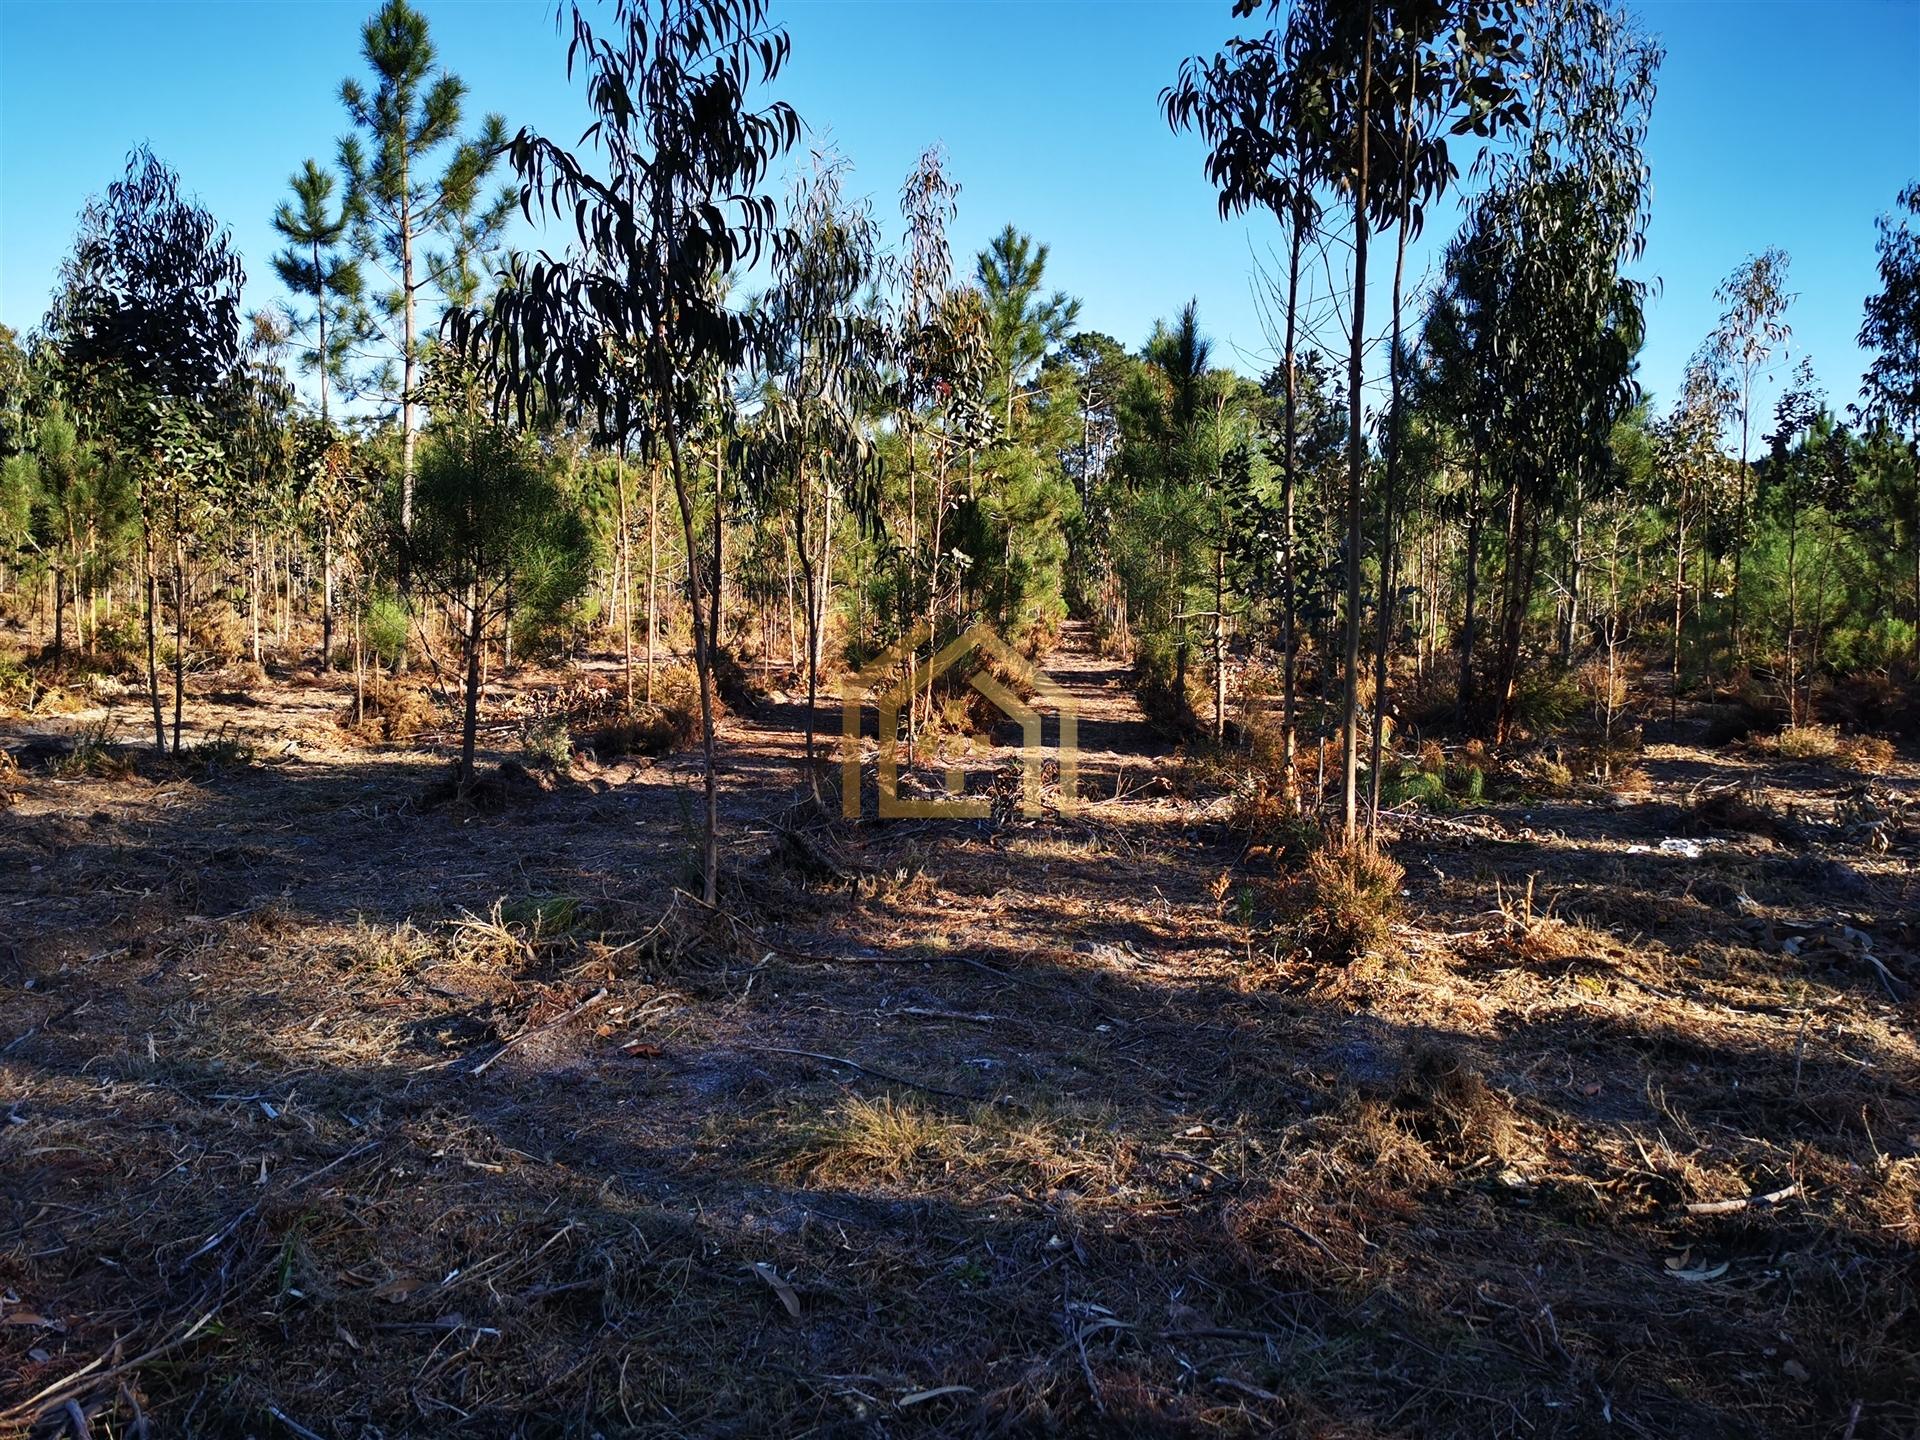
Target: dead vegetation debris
<point>481,1122</point>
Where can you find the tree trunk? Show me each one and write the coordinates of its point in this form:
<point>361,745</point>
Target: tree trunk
<point>1793,613</point>
<point>179,625</point>
<point>1220,634</point>
<point>808,586</point>
<point>653,567</point>
<point>59,612</point>
<point>1569,636</point>
<point>470,720</point>
<point>624,567</point>
<point>1679,608</point>
<point>702,658</point>
<point>1290,635</point>
<point>1740,530</point>
<point>1389,481</point>
<point>1356,458</point>
<point>1463,696</point>
<point>326,596</point>
<point>717,627</point>
<point>253,590</point>
<point>407,355</point>
<point>153,630</point>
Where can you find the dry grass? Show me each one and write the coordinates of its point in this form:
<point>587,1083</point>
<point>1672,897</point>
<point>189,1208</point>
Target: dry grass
<point>471,1123</point>
<point>393,712</point>
<point>1805,742</point>
<point>1871,754</point>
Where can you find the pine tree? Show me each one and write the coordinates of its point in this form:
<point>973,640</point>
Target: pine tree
<point>423,229</point>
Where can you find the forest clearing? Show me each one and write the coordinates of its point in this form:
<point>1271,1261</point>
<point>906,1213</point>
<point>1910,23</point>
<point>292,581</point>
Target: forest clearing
<point>483,953</point>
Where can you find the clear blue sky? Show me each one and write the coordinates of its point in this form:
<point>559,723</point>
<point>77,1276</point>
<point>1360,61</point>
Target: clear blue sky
<point>1789,124</point>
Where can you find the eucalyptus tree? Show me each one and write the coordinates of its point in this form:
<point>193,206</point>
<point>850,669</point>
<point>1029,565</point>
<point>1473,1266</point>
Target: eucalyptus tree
<point>316,267</point>
<point>15,383</point>
<point>146,325</point>
<point>825,352</point>
<point>1564,213</point>
<point>261,442</point>
<point>924,348</point>
<point>1688,466</point>
<point>1790,479</point>
<point>1891,331</point>
<point>1258,130</point>
<point>1359,98</point>
<point>420,227</point>
<point>635,310</point>
<point>1752,324</point>
<point>66,496</point>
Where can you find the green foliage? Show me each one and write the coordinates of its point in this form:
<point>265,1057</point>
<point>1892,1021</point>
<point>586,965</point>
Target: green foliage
<point>489,515</point>
<point>385,627</point>
<point>17,684</point>
<point>547,743</point>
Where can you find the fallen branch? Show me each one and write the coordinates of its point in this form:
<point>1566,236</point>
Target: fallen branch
<point>1729,1207</point>
<point>591,1000</point>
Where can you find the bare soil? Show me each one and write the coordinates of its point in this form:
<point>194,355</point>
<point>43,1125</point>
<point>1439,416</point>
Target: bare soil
<point>330,1112</point>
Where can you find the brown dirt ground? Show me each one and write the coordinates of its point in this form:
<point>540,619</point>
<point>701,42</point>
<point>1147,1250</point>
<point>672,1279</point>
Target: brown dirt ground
<point>938,1127</point>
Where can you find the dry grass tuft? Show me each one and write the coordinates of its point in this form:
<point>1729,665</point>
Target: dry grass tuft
<point>883,1139</point>
<point>1871,753</point>
<point>1804,742</point>
<point>1450,1106</point>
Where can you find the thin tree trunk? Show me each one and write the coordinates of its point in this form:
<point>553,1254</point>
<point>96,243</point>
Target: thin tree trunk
<point>326,596</point>
<point>717,628</point>
<point>653,567</point>
<point>624,567</point>
<point>1575,558</point>
<point>179,626</point>
<point>253,590</point>
<point>1356,457</point>
<point>1463,698</point>
<point>1679,608</point>
<point>407,355</point>
<point>1389,482</point>
<point>1220,633</point>
<point>702,658</point>
<point>59,613</point>
<point>1793,614</point>
<point>470,721</point>
<point>1740,532</point>
<point>153,630</point>
<point>1289,739</point>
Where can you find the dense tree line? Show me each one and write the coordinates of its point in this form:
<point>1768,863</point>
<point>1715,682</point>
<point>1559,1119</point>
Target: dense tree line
<point>615,443</point>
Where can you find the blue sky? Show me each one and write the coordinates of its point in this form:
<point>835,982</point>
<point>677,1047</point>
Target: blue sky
<point>1789,124</point>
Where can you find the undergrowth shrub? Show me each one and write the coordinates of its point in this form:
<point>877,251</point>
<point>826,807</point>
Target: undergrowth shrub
<point>393,711</point>
<point>1344,899</point>
<point>16,681</point>
<point>1806,742</point>
<point>219,632</point>
<point>94,755</point>
<point>547,742</point>
<point>1546,697</point>
<point>220,752</point>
